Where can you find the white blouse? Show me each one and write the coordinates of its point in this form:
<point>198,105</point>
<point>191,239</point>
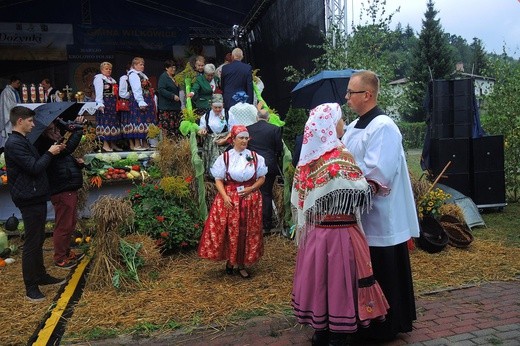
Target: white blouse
<point>123,87</point>
<point>214,122</point>
<point>239,168</point>
<point>99,81</point>
<point>135,83</point>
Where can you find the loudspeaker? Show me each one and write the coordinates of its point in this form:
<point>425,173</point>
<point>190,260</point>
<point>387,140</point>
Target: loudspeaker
<point>488,154</point>
<point>442,131</point>
<point>456,150</point>
<point>441,87</point>
<point>459,182</point>
<point>462,87</point>
<point>462,130</point>
<point>489,188</point>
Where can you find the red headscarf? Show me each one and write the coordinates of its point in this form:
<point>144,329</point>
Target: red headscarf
<point>235,130</point>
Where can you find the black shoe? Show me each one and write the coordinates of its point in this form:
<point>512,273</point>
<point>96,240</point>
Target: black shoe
<point>34,294</point>
<point>229,269</point>
<point>51,280</point>
<point>320,338</point>
<point>337,339</point>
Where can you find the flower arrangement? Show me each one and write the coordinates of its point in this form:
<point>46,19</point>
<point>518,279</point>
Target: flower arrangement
<point>177,186</point>
<point>153,131</point>
<point>430,203</point>
<point>171,220</point>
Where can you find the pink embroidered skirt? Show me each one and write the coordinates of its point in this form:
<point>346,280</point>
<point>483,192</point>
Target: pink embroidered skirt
<point>333,284</point>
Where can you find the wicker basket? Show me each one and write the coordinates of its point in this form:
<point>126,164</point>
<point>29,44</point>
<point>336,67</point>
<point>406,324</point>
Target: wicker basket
<point>432,237</point>
<point>459,234</point>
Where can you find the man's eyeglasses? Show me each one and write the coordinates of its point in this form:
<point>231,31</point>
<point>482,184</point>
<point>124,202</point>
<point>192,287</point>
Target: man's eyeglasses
<point>350,92</point>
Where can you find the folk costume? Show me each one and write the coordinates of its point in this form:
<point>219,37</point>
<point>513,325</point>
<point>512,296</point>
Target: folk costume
<point>135,122</point>
<point>333,288</point>
<point>216,126</point>
<point>375,142</point>
<point>108,124</point>
<point>242,113</point>
<point>235,234</point>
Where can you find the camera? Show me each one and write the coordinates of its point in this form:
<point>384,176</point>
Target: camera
<point>70,126</point>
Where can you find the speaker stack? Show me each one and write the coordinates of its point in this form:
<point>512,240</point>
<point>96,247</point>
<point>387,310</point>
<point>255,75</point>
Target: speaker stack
<point>477,164</point>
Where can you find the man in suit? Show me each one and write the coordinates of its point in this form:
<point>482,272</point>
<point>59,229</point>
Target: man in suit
<point>236,76</point>
<point>266,140</point>
<point>49,90</point>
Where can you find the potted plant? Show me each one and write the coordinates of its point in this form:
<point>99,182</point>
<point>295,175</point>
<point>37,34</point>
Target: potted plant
<point>153,135</point>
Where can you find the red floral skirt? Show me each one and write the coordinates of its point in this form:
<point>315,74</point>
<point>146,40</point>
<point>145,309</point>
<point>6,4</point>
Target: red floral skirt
<point>234,234</point>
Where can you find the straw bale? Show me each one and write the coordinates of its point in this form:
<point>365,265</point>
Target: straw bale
<point>278,202</point>
<point>149,251</point>
<point>175,158</point>
<point>109,214</point>
<point>452,210</point>
<point>419,186</point>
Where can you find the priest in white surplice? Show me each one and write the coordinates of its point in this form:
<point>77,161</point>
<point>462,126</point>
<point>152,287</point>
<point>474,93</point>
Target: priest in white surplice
<point>8,99</point>
<point>375,141</point>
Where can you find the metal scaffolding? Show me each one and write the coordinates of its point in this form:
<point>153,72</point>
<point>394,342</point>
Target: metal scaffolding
<point>336,14</point>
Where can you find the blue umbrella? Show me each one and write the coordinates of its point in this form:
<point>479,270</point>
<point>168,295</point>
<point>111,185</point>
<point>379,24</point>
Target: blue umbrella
<point>48,112</point>
<point>326,86</point>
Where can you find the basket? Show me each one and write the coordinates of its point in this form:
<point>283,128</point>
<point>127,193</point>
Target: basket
<point>432,237</point>
<point>459,234</point>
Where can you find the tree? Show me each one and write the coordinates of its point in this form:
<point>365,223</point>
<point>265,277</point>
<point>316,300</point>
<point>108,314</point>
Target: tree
<point>501,116</point>
<point>432,59</point>
<point>479,59</point>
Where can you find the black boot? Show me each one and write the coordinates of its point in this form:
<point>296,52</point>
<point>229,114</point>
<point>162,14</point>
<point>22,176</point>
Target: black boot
<point>320,338</point>
<point>337,339</point>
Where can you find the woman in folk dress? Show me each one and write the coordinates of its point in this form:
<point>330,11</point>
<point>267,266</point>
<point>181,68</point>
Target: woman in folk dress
<point>108,126</point>
<point>233,230</point>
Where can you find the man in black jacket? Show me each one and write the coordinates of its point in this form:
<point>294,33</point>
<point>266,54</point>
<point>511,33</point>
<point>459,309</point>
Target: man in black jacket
<point>29,188</point>
<point>266,140</point>
<point>65,179</point>
<point>236,76</point>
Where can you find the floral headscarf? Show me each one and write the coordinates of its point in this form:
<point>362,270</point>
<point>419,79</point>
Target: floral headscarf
<point>319,135</point>
<point>327,180</point>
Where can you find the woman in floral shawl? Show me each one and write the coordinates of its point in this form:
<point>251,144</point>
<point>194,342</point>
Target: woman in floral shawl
<point>334,290</point>
<point>233,229</point>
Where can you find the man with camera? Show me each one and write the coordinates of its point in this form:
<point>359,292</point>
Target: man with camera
<point>65,179</point>
<point>29,190</point>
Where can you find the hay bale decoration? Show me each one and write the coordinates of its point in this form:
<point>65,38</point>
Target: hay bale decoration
<point>110,214</point>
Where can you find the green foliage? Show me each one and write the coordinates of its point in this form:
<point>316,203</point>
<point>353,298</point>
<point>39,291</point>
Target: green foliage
<point>413,134</point>
<point>501,116</point>
<point>479,61</point>
<point>131,260</point>
<point>295,120</point>
<point>173,221</point>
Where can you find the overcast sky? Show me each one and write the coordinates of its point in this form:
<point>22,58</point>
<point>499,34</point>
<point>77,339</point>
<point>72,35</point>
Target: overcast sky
<point>495,22</point>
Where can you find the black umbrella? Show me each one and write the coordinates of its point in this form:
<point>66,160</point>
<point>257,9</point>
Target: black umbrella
<point>326,86</point>
<point>48,112</point>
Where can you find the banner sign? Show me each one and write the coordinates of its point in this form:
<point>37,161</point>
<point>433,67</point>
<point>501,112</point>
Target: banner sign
<point>35,41</point>
<point>131,38</point>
